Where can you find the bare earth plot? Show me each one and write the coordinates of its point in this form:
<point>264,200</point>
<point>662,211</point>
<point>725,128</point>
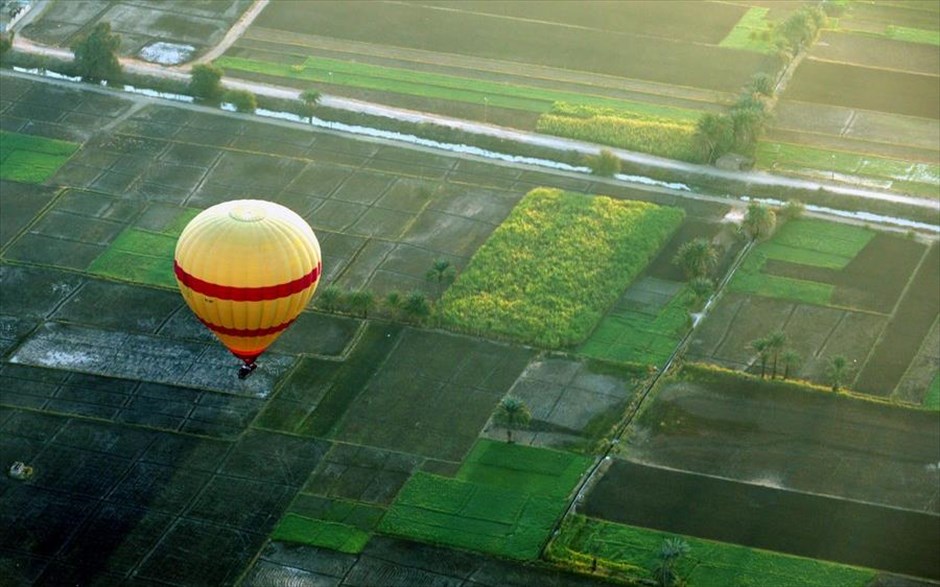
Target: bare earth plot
<point>199,25</point>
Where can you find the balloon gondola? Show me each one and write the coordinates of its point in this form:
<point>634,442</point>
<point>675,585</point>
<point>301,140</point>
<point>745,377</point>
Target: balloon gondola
<point>247,269</point>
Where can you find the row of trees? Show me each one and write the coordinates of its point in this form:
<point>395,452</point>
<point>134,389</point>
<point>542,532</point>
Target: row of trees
<point>774,349</point>
<point>717,133</point>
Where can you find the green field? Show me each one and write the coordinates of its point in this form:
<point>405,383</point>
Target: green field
<point>504,500</point>
<point>627,551</point>
<point>813,243</point>
<point>555,266</point>
<point>912,35</point>
<point>932,399</point>
<point>648,132</point>
<point>749,33</point>
<point>322,533</point>
<point>627,335</point>
<point>32,159</point>
<point>916,178</point>
<point>445,87</point>
<point>143,256</point>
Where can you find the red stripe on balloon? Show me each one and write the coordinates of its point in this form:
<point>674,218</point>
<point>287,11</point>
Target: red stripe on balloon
<point>246,332</point>
<point>246,294</point>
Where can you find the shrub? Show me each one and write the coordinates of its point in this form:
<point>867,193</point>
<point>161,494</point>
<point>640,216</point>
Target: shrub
<point>605,163</point>
<point>243,100</point>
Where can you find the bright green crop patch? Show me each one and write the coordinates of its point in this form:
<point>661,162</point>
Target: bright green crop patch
<point>143,256</point>
<point>932,399</point>
<point>32,159</point>
<point>333,535</point>
<point>474,516</point>
<point>631,551</point>
<point>554,267</point>
<point>911,35</point>
<point>814,243</point>
<point>504,500</point>
<point>629,336</point>
<point>751,33</point>
<point>523,468</point>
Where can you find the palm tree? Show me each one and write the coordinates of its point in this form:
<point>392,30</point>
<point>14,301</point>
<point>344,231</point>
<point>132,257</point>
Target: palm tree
<point>671,550</point>
<point>759,220</point>
<point>417,307</point>
<point>761,347</point>
<point>714,135</point>
<point>512,413</point>
<point>329,298</point>
<point>748,122</point>
<point>441,272</point>
<point>309,100</point>
<point>696,258</point>
<point>838,371</point>
<point>394,302</point>
<point>362,301</point>
<point>791,360</point>
<point>776,342</point>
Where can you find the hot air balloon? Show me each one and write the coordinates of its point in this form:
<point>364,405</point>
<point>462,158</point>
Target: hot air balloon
<point>247,269</point>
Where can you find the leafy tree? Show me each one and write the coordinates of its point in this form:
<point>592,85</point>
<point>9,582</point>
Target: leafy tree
<point>759,221</point>
<point>701,287</point>
<point>417,307</point>
<point>512,413</point>
<point>696,258</point>
<point>243,100</point>
<point>714,136</point>
<point>206,81</point>
<point>330,298</point>
<point>605,163</point>
<point>760,346</point>
<point>776,343</point>
<point>96,54</point>
<point>6,42</point>
<point>442,273</point>
<point>362,302</point>
<point>838,371</point>
<point>671,550</point>
<point>761,83</point>
<point>791,361</point>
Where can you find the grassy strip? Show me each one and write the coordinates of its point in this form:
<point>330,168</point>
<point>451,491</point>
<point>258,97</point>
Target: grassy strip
<point>351,380</point>
<point>829,239</point>
<point>447,87</point>
<point>143,256</point>
<point>32,159</point>
<point>799,158</point>
<point>932,399</point>
<point>629,336</point>
<point>910,35</point>
<point>629,551</point>
<point>526,469</point>
<point>555,265</point>
<point>333,535</point>
<point>751,33</point>
<point>750,280</point>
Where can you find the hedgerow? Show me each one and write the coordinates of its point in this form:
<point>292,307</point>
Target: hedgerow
<point>560,260</point>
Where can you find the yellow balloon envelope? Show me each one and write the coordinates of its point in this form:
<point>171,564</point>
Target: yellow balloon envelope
<point>247,269</point>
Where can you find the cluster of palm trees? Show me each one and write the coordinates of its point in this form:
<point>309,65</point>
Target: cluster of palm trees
<point>773,349</point>
<point>414,307</point>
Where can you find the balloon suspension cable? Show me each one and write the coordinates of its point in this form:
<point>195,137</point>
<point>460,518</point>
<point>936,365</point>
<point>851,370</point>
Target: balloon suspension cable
<point>245,370</point>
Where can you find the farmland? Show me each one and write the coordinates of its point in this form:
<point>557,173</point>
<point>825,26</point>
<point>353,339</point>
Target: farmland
<point>372,444</point>
<point>530,281</point>
<point>29,159</point>
<point>869,134</point>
